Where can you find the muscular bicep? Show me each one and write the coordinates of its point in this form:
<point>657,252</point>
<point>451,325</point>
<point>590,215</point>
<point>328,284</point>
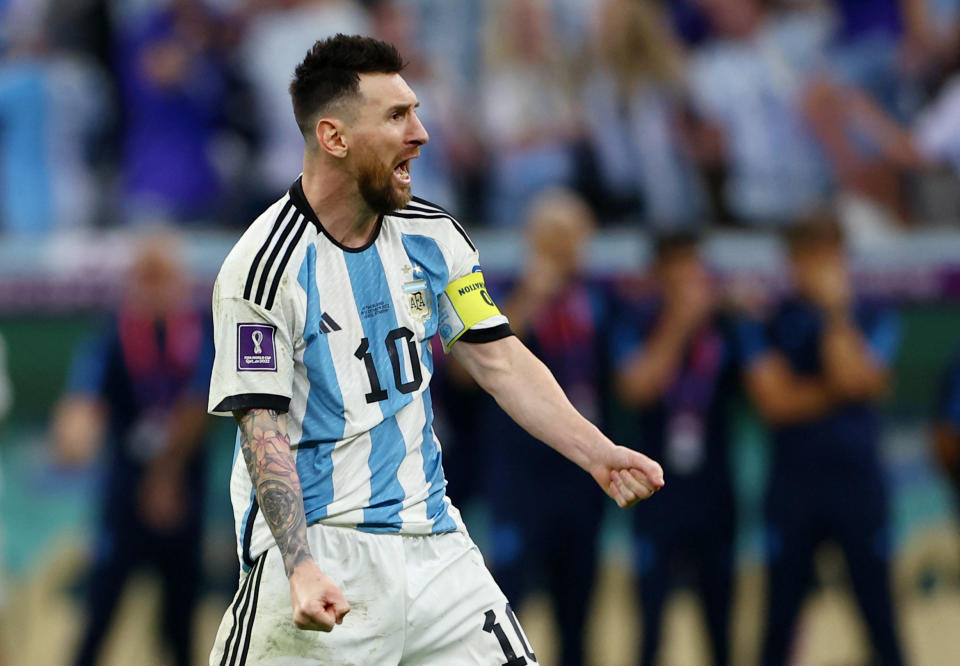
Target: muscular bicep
<point>485,362</point>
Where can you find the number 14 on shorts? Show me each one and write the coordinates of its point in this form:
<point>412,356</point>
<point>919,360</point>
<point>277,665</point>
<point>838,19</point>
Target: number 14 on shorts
<point>492,625</point>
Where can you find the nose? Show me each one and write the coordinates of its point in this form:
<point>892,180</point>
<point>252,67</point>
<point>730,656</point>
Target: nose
<point>418,133</point>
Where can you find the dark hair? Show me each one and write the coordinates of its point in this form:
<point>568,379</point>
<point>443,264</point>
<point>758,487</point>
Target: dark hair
<point>817,230</point>
<point>331,71</point>
<point>669,244</point>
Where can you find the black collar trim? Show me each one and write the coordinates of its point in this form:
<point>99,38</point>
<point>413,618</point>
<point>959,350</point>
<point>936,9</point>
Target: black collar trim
<point>299,200</point>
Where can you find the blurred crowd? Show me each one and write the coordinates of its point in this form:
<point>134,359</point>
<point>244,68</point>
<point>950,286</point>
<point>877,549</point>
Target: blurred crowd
<point>661,113</point>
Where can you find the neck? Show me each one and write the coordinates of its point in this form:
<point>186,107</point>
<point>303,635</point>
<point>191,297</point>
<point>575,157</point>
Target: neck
<point>335,198</point>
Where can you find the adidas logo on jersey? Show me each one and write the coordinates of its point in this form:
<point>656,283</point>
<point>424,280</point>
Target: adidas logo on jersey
<point>328,324</point>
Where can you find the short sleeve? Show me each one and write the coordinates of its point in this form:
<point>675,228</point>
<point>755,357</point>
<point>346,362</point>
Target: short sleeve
<point>200,381</point>
<point>883,336</point>
<point>750,339</point>
<point>89,364</point>
<point>467,310</point>
<point>253,359</point>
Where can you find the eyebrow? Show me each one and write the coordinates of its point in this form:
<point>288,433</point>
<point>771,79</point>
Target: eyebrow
<point>402,107</point>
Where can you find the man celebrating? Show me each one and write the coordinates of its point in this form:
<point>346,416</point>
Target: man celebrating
<point>324,311</point>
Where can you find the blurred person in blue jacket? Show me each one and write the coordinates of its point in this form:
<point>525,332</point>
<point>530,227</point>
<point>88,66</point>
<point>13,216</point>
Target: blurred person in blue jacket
<point>140,385</point>
<point>676,370</point>
<point>549,521</point>
<point>816,372</point>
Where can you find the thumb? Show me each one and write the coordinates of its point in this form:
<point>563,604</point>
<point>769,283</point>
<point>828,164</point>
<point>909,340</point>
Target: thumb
<point>341,607</point>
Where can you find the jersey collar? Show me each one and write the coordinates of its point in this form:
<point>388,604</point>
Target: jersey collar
<point>299,200</point>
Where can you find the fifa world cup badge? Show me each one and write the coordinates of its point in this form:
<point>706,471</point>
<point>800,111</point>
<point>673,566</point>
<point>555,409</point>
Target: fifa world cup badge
<point>417,293</point>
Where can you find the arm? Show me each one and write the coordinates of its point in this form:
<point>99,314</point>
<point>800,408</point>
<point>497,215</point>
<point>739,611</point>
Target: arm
<point>851,371</point>
<point>646,373</point>
<point>528,392</point>
<point>317,602</point>
<point>781,396</point>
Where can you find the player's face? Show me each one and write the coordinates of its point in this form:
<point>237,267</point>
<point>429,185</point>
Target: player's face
<point>387,136</point>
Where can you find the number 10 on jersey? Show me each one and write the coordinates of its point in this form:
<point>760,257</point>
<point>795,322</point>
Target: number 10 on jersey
<point>392,341</point>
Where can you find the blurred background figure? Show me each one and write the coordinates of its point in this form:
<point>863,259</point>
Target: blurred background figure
<point>676,371</point>
<point>817,371</point>
<point>173,80</point>
<point>747,83</point>
<point>528,111</point>
<point>885,46</point>
<point>140,387</point>
<point>544,518</point>
<point>633,105</point>
<point>55,103</point>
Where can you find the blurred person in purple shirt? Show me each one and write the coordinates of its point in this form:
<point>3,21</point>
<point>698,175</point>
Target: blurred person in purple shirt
<point>173,87</point>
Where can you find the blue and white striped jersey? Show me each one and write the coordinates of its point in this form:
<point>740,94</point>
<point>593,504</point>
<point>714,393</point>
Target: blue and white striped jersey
<point>339,338</point>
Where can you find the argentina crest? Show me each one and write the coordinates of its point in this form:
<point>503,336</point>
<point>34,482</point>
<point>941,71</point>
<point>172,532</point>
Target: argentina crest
<point>417,293</point>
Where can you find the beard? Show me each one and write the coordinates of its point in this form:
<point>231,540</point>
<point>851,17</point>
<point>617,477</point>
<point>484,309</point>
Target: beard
<point>379,189</point>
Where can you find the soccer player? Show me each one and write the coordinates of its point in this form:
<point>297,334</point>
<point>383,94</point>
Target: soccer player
<point>676,367</point>
<point>144,377</point>
<point>816,372</point>
<point>323,314</point>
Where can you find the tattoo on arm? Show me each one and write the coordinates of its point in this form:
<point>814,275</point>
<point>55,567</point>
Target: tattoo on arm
<point>266,450</point>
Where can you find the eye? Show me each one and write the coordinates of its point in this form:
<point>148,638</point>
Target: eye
<point>397,115</point>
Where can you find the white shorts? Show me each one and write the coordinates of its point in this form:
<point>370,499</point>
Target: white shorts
<point>414,600</point>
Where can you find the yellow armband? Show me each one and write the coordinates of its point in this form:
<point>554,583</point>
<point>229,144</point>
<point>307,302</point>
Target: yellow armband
<point>463,304</point>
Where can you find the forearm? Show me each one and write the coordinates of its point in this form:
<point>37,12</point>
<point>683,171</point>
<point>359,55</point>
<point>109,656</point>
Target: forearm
<point>527,391</point>
<point>273,470</point>
<point>647,373</point>
<point>187,428</point>
<point>849,370</point>
<point>783,397</point>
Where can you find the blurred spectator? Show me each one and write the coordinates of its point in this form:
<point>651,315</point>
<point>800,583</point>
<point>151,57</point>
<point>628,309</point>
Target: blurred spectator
<point>548,521</point>
<point>677,370</point>
<point>278,33</point>
<point>172,79</point>
<point>868,151</point>
<point>936,129</point>
<point>884,46</point>
<point>632,104</point>
<point>144,380</point>
<point>816,372</point>
<point>448,37</point>
<point>747,83</point>
<point>527,108</point>
<point>946,425</point>
<point>53,103</point>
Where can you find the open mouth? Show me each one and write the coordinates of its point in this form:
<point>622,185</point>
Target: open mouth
<point>402,172</point>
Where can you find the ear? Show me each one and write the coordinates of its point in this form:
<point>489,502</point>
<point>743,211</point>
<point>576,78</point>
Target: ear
<point>330,137</point>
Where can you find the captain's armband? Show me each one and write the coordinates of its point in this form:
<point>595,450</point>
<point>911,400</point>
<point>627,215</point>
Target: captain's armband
<point>463,304</point>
